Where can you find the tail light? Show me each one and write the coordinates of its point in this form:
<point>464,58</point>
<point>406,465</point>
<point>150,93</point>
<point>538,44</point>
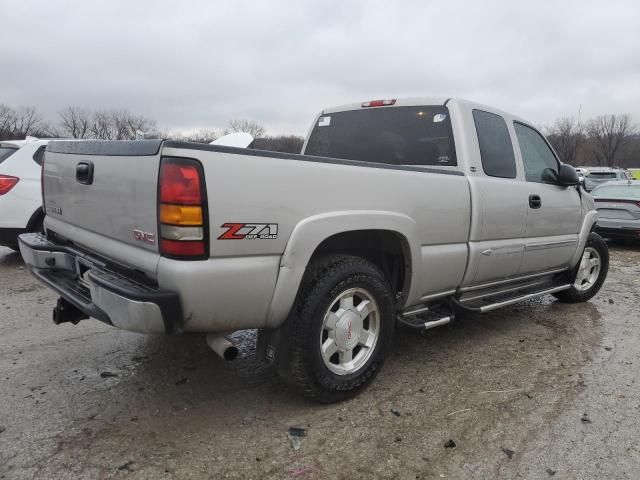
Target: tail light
<point>379,103</point>
<point>618,200</point>
<point>182,209</point>
<point>7,182</point>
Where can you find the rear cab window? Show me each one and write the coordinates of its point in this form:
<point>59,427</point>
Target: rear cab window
<point>6,150</point>
<point>540,163</point>
<point>496,149</point>
<point>411,135</point>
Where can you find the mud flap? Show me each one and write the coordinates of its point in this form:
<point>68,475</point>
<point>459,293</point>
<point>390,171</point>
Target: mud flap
<point>272,346</point>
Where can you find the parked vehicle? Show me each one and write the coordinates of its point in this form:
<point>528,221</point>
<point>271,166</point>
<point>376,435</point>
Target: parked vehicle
<point>618,205</point>
<point>398,210</point>
<point>20,192</point>
<point>598,176</point>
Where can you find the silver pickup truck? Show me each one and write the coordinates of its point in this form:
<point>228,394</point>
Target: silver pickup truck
<point>397,211</point>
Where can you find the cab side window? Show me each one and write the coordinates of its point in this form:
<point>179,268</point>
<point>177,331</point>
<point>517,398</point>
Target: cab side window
<point>540,164</point>
<point>496,150</point>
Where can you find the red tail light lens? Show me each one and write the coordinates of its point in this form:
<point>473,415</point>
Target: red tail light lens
<point>182,209</point>
<point>180,184</point>
<point>177,248</point>
<point>7,182</point>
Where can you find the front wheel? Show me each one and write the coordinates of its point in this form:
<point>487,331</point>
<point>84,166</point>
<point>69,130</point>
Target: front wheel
<point>341,327</point>
<point>590,273</point>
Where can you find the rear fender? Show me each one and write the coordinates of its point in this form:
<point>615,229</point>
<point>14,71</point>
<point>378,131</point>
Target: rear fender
<point>311,232</point>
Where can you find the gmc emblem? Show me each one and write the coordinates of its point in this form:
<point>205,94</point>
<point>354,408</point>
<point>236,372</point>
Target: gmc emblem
<point>146,237</point>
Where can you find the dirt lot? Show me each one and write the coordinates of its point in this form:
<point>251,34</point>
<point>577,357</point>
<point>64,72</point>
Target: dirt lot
<point>542,390</point>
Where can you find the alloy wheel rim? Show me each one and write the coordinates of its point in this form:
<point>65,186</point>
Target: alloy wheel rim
<point>350,331</point>
<point>589,269</point>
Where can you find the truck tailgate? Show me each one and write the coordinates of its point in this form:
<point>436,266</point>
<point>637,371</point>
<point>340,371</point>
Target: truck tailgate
<point>103,190</point>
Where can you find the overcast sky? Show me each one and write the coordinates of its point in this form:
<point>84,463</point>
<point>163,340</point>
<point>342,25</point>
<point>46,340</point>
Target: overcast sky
<point>192,64</point>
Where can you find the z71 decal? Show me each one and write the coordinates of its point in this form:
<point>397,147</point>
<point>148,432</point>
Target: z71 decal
<point>249,231</point>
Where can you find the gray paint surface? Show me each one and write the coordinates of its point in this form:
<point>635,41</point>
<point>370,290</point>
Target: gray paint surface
<point>449,222</point>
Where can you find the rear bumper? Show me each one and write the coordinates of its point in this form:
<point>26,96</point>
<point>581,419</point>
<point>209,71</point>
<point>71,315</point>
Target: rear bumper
<point>618,228</point>
<point>98,291</point>
<point>9,236</point>
<point>618,232</point>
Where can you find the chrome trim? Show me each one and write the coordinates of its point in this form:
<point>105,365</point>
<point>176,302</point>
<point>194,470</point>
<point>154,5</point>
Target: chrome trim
<point>143,317</point>
<point>500,292</point>
<point>495,306</point>
<point>417,311</point>
<point>510,280</point>
<point>545,245</point>
<point>39,259</point>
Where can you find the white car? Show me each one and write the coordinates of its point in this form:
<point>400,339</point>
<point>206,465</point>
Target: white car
<point>20,192</point>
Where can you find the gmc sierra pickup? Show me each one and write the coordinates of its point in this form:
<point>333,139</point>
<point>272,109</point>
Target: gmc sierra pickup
<point>397,211</point>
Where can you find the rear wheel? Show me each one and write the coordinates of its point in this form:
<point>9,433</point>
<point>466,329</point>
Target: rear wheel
<point>341,327</point>
<point>590,273</point>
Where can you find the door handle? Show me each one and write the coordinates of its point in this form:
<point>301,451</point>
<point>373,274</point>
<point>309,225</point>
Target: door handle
<point>84,173</point>
<point>535,201</point>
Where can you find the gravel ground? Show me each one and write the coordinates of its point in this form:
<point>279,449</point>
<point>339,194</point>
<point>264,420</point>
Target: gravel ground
<point>539,390</point>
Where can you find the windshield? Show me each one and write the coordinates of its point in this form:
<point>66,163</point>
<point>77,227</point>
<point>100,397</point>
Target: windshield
<point>599,175</point>
<point>617,191</point>
<point>393,135</point>
<point>6,151</point>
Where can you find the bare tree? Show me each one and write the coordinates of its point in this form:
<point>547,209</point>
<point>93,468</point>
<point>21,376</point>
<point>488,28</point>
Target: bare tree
<point>280,143</point>
<point>609,133</point>
<point>7,122</point>
<point>249,126</point>
<point>566,136</point>
<point>75,122</point>
<point>18,123</point>
<point>27,121</point>
<point>204,135</point>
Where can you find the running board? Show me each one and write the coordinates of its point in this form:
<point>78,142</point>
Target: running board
<point>511,301</point>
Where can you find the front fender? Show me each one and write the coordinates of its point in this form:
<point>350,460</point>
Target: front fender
<point>312,231</point>
<point>590,219</point>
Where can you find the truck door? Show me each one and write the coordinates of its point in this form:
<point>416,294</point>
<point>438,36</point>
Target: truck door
<point>499,204</point>
<point>553,214</point>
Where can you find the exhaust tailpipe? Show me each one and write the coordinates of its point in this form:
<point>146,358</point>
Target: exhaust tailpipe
<point>222,346</point>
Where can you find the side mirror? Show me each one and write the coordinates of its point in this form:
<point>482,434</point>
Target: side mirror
<point>567,175</point>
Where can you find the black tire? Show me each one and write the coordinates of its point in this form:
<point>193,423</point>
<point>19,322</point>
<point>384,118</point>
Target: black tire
<point>324,280</point>
<point>573,295</point>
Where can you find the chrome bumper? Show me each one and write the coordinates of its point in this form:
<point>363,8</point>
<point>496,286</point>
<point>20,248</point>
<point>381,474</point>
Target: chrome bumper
<point>98,291</point>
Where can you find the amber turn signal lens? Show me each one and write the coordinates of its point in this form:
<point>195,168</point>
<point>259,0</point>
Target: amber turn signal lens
<point>180,215</point>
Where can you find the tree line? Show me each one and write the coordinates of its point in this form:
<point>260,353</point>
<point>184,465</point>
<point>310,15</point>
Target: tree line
<point>82,123</point>
<point>607,140</point>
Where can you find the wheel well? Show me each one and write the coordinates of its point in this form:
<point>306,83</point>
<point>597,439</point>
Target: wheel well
<point>388,250</point>
<point>37,216</point>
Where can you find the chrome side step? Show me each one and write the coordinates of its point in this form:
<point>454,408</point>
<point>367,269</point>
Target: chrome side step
<point>427,316</point>
<point>513,300</point>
